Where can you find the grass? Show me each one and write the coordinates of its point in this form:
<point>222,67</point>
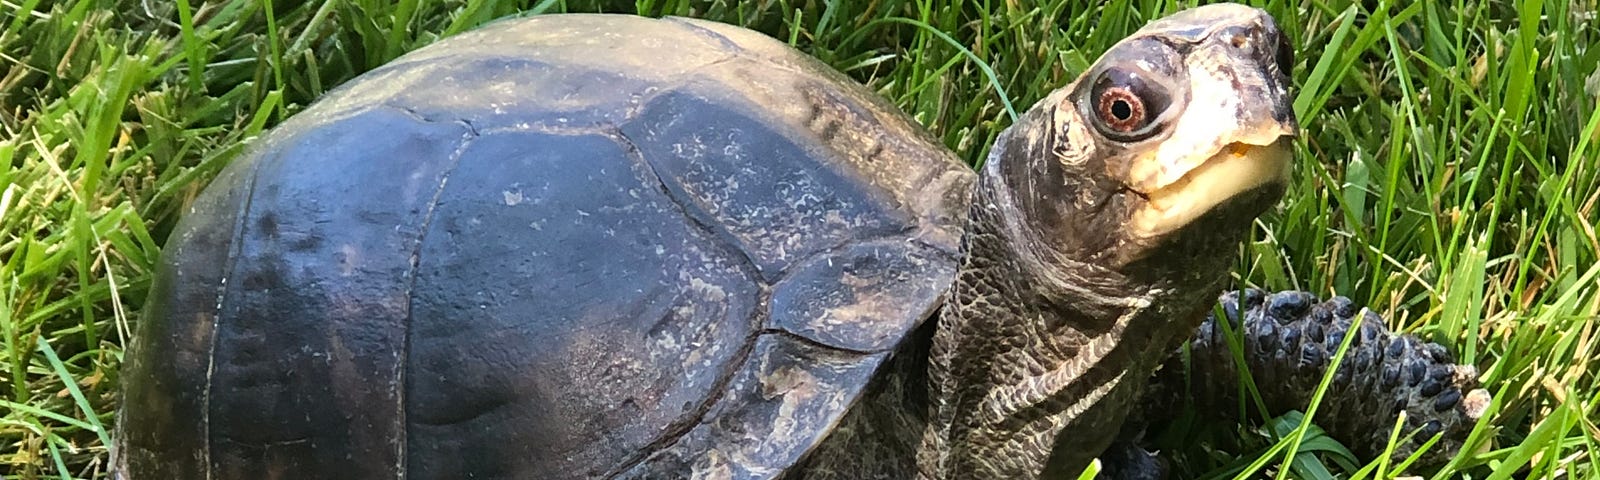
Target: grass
<point>1449,177</point>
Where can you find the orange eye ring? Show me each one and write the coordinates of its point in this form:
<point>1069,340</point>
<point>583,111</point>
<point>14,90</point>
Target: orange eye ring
<point>1126,105</point>
<point>1120,110</point>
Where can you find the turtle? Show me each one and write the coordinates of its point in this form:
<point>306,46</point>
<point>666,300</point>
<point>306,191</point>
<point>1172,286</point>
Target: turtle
<point>608,246</point>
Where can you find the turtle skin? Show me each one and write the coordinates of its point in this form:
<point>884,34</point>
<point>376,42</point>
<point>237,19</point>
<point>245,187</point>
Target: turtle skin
<point>571,246</point>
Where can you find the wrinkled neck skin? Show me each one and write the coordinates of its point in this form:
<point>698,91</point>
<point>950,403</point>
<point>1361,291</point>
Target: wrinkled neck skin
<point>1038,356</point>
<point>1054,326</point>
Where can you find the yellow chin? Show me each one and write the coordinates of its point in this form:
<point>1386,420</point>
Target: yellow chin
<point>1237,169</point>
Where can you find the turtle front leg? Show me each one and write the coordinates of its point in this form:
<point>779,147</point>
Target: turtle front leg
<point>1289,339</point>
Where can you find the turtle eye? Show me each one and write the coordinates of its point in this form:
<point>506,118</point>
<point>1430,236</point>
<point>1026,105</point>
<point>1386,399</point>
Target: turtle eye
<point>1120,109</point>
<point>1125,106</point>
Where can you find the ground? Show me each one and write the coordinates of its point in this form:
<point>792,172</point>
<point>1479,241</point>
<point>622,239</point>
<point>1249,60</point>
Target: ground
<point>1449,176</point>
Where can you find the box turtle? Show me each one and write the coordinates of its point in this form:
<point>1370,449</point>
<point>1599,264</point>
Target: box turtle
<point>600,246</point>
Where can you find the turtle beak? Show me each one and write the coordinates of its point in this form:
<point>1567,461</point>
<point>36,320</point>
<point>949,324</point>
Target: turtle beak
<point>1235,134</point>
<point>1239,168</point>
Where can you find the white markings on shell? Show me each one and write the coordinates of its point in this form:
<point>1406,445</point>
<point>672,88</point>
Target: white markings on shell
<point>512,198</point>
<point>712,466</point>
<point>349,258</point>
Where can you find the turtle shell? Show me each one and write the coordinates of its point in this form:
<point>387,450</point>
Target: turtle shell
<point>555,247</point>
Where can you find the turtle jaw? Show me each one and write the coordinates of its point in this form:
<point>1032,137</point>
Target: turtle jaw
<point>1237,168</point>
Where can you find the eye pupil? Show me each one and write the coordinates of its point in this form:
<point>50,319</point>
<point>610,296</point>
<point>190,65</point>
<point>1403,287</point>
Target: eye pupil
<point>1121,109</point>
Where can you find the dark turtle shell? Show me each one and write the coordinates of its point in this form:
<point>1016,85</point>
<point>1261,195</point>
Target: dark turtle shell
<point>555,247</point>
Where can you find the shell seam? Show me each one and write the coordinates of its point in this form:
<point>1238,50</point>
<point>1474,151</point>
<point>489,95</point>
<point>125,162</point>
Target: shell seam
<point>240,225</point>
<point>401,377</point>
<point>677,430</point>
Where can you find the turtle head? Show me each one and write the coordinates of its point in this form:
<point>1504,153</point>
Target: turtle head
<point>1104,225</point>
<point>1178,135</point>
